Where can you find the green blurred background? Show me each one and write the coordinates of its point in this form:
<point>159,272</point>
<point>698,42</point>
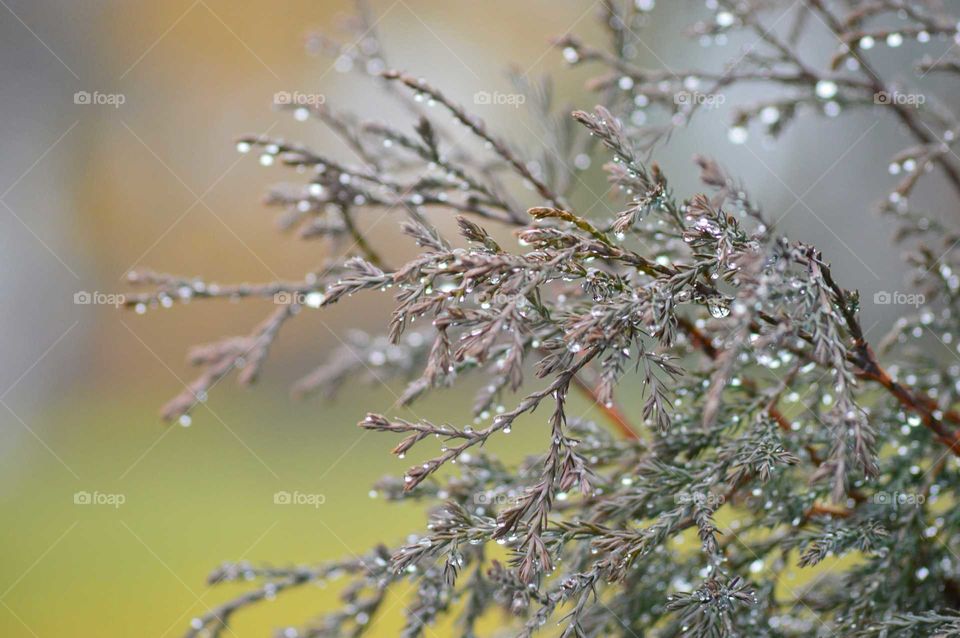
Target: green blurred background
<point>91,191</point>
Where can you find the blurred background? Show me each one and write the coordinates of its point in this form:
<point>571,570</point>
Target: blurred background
<point>90,191</point>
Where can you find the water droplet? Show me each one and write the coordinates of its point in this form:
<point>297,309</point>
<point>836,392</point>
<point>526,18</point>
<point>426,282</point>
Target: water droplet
<point>737,135</point>
<point>705,225</point>
<point>826,89</point>
<point>718,310</point>
<point>725,19</point>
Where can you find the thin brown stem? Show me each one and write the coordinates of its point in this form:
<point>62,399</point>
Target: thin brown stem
<point>361,241</point>
<point>612,412</point>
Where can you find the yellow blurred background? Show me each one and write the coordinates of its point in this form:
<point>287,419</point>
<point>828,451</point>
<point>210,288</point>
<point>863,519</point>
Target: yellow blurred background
<point>91,191</point>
